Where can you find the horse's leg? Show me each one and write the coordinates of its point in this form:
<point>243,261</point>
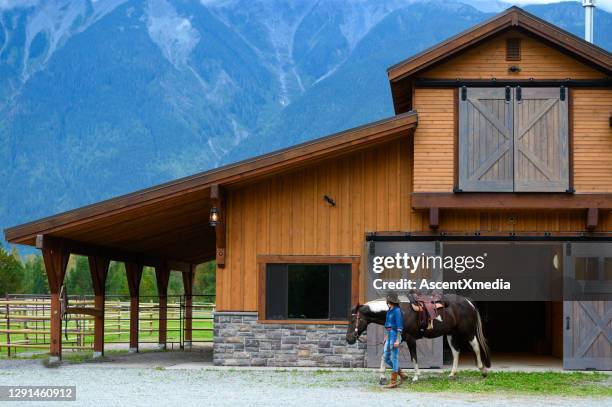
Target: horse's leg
<point>455,353</point>
<point>411,342</point>
<point>383,366</point>
<point>476,347</point>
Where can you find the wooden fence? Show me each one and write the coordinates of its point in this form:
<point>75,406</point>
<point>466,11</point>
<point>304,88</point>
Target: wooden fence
<point>25,322</point>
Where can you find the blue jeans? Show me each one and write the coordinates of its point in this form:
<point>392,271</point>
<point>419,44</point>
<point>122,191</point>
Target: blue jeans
<point>391,352</point>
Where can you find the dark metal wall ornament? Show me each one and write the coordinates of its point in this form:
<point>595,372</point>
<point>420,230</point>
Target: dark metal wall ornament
<point>329,200</point>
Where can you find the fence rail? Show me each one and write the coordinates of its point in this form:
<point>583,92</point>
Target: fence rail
<point>25,322</point>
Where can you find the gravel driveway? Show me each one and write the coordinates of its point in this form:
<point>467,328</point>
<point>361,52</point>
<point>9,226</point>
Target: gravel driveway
<point>97,385</point>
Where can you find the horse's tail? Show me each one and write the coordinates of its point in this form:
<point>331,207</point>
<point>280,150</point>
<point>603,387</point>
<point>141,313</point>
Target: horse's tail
<point>482,342</point>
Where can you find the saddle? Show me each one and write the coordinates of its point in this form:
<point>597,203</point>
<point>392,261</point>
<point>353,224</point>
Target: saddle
<point>427,307</point>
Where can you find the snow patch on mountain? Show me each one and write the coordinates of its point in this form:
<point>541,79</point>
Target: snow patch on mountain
<point>174,34</point>
<point>51,24</point>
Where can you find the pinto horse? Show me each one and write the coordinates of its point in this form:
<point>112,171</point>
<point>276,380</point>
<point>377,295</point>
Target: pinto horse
<point>460,322</point>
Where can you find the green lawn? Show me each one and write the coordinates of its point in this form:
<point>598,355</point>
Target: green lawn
<point>557,383</point>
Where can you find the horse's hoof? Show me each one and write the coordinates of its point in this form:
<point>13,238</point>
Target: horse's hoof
<point>415,379</point>
<point>451,377</point>
<point>484,373</point>
<point>382,381</point>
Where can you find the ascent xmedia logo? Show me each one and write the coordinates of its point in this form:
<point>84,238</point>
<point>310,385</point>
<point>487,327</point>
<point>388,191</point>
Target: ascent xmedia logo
<point>404,261</point>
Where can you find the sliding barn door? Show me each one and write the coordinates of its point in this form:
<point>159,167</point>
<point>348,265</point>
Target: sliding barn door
<point>429,351</point>
<point>485,140</point>
<point>587,325</point>
<point>540,140</point>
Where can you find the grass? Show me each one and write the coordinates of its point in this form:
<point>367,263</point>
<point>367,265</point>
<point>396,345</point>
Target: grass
<point>559,384</point>
<point>540,383</point>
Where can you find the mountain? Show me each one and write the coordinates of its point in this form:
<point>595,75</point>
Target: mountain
<point>103,97</point>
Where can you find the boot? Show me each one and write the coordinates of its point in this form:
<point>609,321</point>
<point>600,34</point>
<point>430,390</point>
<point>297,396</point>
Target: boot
<point>403,376</point>
<point>393,383</point>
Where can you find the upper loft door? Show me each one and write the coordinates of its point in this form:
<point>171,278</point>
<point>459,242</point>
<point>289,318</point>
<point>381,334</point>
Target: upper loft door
<point>513,140</point>
<point>540,140</point>
<point>485,140</point>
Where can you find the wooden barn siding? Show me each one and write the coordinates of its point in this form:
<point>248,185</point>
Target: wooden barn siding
<point>488,60</point>
<point>434,138</point>
<point>286,214</point>
<point>592,140</point>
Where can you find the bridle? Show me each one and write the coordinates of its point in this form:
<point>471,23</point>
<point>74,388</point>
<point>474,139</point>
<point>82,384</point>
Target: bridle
<point>357,315</point>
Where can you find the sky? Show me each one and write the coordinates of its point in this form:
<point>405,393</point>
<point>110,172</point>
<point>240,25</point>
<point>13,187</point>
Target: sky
<point>605,4</point>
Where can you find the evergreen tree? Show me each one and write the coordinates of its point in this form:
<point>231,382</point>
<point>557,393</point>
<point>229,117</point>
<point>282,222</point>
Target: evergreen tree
<point>78,277</point>
<point>204,281</point>
<point>11,272</point>
<point>116,280</point>
<point>34,279</point>
<point>148,285</point>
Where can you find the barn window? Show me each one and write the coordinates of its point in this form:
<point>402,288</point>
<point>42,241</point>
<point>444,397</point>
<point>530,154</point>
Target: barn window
<point>308,291</point>
<point>513,139</point>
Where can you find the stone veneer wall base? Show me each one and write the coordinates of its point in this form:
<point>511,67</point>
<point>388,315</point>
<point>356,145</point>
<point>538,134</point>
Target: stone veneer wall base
<point>239,340</point>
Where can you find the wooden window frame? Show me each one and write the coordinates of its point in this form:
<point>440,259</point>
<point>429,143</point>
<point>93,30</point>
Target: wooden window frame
<point>264,260</point>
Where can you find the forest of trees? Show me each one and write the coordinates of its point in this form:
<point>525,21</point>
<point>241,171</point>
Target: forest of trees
<point>26,275</point>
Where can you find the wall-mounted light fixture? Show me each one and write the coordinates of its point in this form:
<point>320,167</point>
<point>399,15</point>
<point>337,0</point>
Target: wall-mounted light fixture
<point>329,200</point>
<point>214,216</point>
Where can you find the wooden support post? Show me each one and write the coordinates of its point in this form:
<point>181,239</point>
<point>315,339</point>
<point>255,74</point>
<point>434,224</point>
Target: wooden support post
<point>98,267</point>
<point>188,288</point>
<point>55,258</point>
<point>592,219</point>
<point>134,274</point>
<point>217,196</point>
<point>162,275</point>
<point>434,218</point>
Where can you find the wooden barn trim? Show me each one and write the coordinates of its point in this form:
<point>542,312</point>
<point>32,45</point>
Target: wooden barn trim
<point>492,200</point>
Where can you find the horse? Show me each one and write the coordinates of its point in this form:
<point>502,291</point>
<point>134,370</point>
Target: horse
<point>459,321</point>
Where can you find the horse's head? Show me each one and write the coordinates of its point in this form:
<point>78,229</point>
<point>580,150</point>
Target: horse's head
<point>357,324</point>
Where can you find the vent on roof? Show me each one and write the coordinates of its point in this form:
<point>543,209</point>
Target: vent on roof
<point>513,49</point>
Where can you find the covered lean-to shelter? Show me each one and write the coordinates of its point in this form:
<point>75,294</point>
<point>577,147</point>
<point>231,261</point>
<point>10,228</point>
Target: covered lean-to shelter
<point>502,135</point>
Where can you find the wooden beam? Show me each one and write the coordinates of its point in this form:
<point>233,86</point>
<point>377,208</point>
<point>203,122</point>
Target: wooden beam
<point>188,289</point>
<point>217,196</point>
<point>98,268</point>
<point>434,218</point>
<point>162,276</point>
<point>55,257</point>
<point>134,275</point>
<point>484,200</point>
<point>87,249</point>
<point>592,219</point>
<point>94,312</point>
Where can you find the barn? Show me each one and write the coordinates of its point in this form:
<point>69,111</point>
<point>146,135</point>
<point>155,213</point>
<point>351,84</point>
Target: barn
<point>501,142</point>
